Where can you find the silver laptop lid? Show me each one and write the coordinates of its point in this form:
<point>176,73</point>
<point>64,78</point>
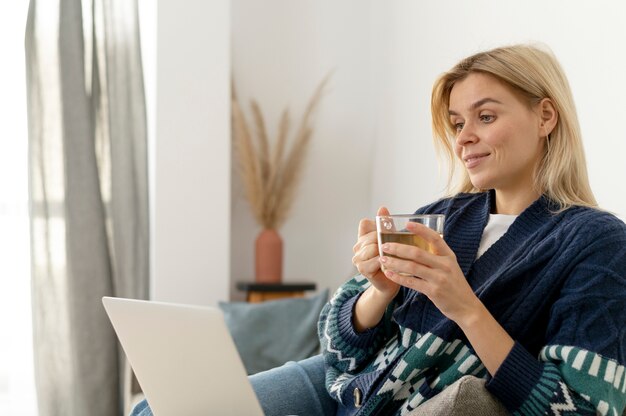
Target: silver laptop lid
<point>184,358</point>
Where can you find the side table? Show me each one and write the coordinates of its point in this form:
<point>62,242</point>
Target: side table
<point>259,292</point>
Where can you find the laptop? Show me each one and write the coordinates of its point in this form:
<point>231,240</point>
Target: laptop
<point>184,358</point>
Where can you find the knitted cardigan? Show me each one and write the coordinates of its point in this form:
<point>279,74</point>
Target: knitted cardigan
<point>556,282</point>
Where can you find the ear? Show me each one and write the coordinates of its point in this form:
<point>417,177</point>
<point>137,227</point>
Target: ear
<point>548,116</point>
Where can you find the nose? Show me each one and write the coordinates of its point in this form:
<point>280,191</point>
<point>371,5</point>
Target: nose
<point>467,135</point>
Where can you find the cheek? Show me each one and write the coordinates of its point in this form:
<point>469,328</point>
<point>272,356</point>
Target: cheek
<point>499,140</point>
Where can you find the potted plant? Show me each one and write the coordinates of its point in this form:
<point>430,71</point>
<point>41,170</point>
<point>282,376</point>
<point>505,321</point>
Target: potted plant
<point>270,173</point>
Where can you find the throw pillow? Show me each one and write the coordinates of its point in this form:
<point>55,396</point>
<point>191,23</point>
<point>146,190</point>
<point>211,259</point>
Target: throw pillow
<point>268,334</point>
<point>466,396</point>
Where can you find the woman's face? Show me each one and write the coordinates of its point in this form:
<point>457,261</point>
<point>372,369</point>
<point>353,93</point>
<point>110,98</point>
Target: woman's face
<point>498,135</point>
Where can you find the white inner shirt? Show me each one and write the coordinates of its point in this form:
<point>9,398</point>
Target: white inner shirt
<point>496,227</point>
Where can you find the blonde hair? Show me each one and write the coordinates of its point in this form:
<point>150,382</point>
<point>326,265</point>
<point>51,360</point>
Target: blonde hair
<point>535,74</point>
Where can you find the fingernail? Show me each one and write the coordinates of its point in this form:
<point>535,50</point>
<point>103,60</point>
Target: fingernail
<point>385,247</point>
<point>383,259</point>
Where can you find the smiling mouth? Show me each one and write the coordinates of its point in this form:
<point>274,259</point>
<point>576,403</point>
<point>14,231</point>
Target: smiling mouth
<point>475,159</point>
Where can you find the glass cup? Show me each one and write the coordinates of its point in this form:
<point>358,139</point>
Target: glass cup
<point>392,229</point>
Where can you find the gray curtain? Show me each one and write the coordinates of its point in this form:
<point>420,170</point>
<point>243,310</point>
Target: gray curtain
<point>88,196</point>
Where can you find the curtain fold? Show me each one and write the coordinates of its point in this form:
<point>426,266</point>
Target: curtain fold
<point>88,195</point>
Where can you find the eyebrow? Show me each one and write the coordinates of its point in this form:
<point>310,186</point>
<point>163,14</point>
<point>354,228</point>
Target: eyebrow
<point>477,104</point>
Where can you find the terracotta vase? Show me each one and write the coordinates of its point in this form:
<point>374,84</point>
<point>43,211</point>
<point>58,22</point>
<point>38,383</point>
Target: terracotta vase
<point>268,257</point>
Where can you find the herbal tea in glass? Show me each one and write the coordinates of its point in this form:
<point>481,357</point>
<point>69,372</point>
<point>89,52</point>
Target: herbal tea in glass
<point>392,229</point>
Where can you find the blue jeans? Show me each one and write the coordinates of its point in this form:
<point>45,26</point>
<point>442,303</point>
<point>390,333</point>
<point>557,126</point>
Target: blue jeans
<point>296,388</point>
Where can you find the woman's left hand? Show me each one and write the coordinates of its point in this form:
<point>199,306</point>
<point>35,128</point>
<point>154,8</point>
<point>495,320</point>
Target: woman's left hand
<point>436,275</point>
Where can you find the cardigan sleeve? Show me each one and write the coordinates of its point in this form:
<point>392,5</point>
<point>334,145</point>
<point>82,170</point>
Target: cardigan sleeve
<point>345,349</point>
<point>580,369</point>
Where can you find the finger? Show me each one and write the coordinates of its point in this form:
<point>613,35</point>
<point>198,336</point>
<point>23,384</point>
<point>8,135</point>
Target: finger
<point>415,283</point>
<point>431,236</point>
<point>366,226</point>
<point>415,254</point>
<point>365,240</point>
<point>409,267</point>
<point>367,252</point>
<point>368,267</point>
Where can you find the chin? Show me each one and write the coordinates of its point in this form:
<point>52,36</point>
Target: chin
<point>481,184</point>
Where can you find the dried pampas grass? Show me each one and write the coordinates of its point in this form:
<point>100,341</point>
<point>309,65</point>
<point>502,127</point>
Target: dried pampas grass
<point>271,174</point>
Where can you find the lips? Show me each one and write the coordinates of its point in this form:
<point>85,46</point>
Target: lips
<point>474,159</point>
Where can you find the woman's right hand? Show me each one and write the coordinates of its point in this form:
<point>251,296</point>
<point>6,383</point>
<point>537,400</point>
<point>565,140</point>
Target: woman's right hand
<point>372,304</point>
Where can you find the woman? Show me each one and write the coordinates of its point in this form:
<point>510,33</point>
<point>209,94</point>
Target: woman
<point>540,313</point>
<point>527,289</point>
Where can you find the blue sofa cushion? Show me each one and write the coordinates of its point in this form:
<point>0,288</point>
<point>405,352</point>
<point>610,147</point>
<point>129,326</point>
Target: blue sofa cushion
<point>270,333</point>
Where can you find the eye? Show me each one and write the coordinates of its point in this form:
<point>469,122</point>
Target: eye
<point>487,118</point>
<point>458,126</point>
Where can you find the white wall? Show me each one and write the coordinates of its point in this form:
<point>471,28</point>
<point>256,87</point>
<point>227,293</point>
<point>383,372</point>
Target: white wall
<point>191,232</point>
<point>372,144</point>
<point>281,50</point>
<point>427,38</point>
